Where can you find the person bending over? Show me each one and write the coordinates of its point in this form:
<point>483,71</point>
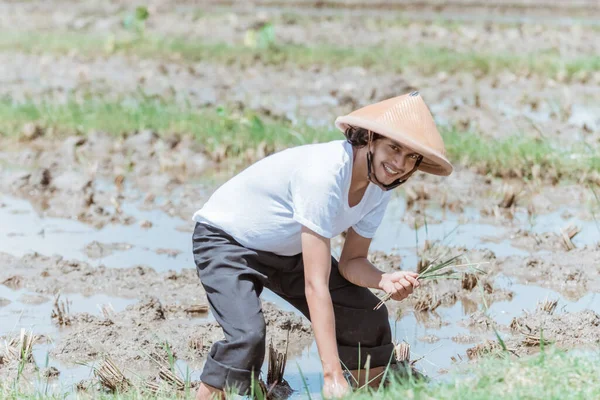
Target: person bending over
<point>271,226</point>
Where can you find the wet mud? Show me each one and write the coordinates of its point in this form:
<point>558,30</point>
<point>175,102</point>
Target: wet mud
<point>536,239</point>
<point>148,332</point>
<point>517,252</point>
<point>170,317</point>
<point>504,102</point>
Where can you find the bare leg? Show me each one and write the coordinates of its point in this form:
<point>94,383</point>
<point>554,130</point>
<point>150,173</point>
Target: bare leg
<point>374,377</point>
<point>206,392</point>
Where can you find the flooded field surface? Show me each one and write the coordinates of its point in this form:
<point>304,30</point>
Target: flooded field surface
<point>152,287</point>
<point>95,212</point>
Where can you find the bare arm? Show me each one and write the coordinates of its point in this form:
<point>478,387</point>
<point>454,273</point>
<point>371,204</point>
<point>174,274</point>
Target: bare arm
<point>355,267</point>
<point>316,253</point>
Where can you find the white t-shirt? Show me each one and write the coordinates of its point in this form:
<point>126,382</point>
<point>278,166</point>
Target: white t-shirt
<point>265,206</point>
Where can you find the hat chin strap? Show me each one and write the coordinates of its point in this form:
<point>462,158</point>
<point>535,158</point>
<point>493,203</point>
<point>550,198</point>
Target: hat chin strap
<point>373,178</point>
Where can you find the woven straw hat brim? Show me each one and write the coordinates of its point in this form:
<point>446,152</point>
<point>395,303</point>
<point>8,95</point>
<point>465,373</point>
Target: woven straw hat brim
<point>433,162</point>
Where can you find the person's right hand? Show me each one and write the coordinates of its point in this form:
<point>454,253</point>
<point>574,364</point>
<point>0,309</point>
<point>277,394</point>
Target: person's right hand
<point>399,284</point>
<point>335,386</point>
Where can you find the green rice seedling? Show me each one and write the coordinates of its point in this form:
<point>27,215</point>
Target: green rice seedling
<point>257,391</point>
<point>367,370</point>
<point>485,305</point>
<point>402,370</point>
<point>259,47</point>
<point>170,356</point>
<point>438,270</point>
<point>304,383</point>
<point>21,350</point>
<point>386,371</point>
<point>432,250</point>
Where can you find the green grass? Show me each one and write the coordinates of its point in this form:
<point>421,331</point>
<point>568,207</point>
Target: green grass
<point>428,60</point>
<point>217,129</point>
<point>520,156</point>
<point>214,129</point>
<point>551,374</point>
<point>548,375</point>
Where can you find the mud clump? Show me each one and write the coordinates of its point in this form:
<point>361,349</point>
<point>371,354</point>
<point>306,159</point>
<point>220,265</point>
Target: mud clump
<point>50,275</point>
<point>469,281</point>
<point>149,310</point>
<point>566,329</point>
<point>51,373</point>
<point>477,322</point>
<point>33,299</point>
<point>31,131</point>
<point>148,332</point>
<point>572,273</point>
<point>487,348</point>
<point>429,339</point>
<point>59,192</point>
<point>100,250</point>
<point>14,282</point>
<point>464,339</point>
<point>532,330</point>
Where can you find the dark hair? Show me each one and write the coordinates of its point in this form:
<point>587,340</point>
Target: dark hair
<point>359,137</point>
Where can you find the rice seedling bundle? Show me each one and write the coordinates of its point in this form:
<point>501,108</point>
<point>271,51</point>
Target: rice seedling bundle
<point>438,270</point>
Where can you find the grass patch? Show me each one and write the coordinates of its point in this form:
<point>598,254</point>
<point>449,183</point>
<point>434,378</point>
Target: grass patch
<point>218,129</point>
<point>549,375</point>
<point>427,59</point>
<point>520,156</point>
<point>215,128</point>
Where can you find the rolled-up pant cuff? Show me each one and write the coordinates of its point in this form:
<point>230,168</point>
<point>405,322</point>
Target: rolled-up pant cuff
<point>223,377</point>
<point>381,356</point>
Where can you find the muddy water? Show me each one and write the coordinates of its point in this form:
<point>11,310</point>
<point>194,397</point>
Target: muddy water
<point>469,229</point>
<point>163,246</point>
<point>437,338</point>
<point>167,245</point>
<point>32,312</point>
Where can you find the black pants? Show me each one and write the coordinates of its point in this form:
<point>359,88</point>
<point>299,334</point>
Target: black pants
<point>234,276</point>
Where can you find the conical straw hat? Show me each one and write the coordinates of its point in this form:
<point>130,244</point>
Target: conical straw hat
<point>407,120</point>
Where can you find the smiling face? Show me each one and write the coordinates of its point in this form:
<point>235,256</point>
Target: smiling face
<point>391,160</point>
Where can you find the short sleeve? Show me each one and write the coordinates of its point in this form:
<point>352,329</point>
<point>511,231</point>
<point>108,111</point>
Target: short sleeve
<point>368,225</point>
<point>316,198</point>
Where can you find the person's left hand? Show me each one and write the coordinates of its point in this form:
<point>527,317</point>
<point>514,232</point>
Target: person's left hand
<point>399,284</point>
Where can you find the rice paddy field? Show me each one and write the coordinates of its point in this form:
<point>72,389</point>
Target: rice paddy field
<point>119,119</point>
